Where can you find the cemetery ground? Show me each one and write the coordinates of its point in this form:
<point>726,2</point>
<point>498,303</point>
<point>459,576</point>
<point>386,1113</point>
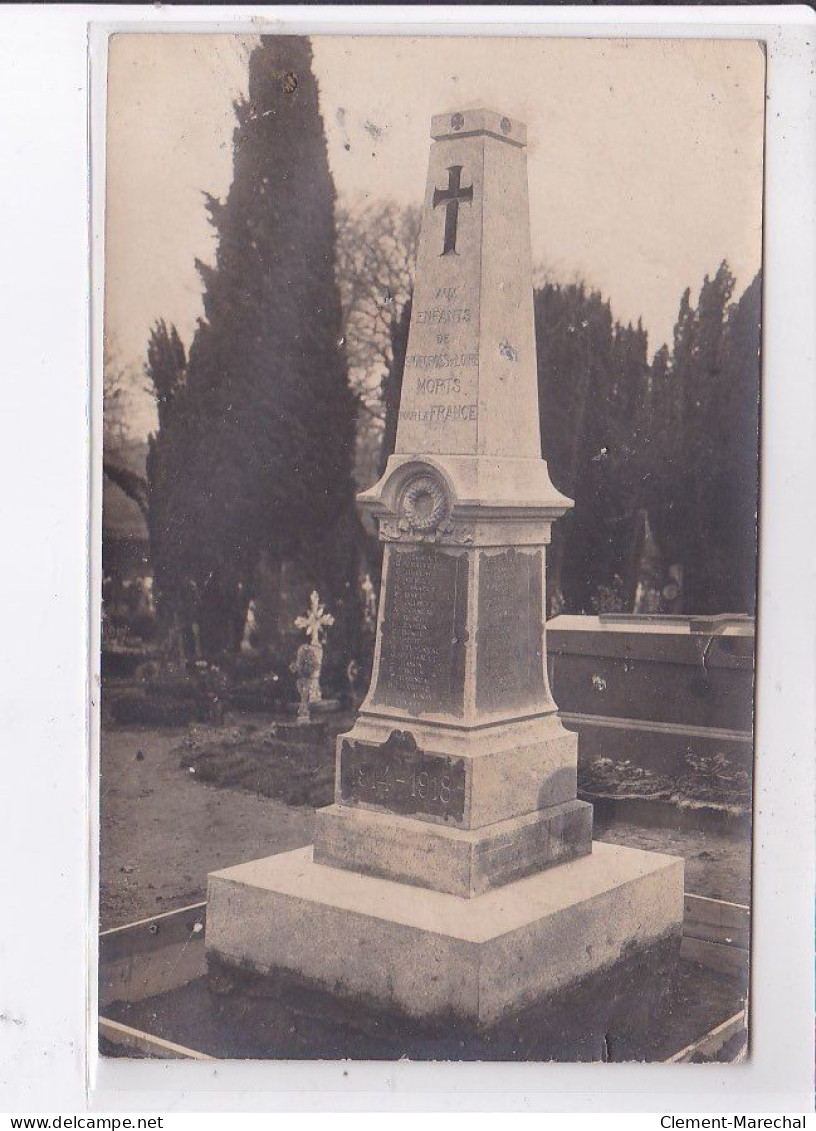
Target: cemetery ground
<point>162,831</point>
<point>164,827</point>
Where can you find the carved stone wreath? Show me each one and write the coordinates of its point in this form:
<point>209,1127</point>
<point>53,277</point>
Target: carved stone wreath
<point>424,503</point>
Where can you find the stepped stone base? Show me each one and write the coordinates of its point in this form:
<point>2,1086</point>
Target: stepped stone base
<point>430,954</point>
<point>463,862</point>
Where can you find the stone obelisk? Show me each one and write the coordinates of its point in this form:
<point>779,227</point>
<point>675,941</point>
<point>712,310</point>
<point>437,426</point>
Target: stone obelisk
<point>457,865</point>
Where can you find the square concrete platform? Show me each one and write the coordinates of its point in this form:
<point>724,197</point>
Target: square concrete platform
<point>429,954</point>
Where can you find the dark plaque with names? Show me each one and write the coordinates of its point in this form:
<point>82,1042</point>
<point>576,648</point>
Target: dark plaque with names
<point>402,779</point>
<point>422,643</point>
<point>509,661</point>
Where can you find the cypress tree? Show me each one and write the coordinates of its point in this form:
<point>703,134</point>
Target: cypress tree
<point>391,385</point>
<point>704,461</point>
<point>165,369</point>
<point>703,431</point>
<point>267,443</point>
<point>732,528</point>
<point>592,378</point>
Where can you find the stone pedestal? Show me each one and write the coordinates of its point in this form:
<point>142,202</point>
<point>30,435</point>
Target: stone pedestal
<point>455,871</point>
<point>436,956</point>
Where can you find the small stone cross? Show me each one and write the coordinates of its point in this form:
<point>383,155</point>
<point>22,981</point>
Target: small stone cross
<point>315,620</point>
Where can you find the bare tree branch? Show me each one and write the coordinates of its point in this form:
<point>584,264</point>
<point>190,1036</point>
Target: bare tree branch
<point>133,484</point>
<point>376,256</point>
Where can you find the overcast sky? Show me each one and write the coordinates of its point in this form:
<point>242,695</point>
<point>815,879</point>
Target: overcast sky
<point>645,156</point>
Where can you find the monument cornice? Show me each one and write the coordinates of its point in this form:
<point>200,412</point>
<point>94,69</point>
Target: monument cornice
<point>483,133</point>
<point>478,492</point>
<point>476,123</point>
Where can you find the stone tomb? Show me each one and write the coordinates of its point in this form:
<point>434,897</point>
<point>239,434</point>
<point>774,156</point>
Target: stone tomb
<point>455,874</point>
<point>662,707</point>
<point>656,689</point>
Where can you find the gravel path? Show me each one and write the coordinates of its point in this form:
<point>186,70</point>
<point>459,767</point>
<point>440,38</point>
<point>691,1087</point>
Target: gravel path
<point>716,866</point>
<point>162,832</point>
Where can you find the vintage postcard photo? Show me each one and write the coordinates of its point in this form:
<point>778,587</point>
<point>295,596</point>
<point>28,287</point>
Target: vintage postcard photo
<point>429,546</point>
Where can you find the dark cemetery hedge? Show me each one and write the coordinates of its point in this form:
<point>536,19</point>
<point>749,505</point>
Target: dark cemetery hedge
<point>592,376</point>
<point>673,443</point>
<point>252,461</point>
<point>660,457</point>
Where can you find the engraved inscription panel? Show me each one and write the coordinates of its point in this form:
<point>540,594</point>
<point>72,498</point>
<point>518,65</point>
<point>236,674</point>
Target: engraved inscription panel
<point>431,397</point>
<point>399,777</point>
<point>422,650</point>
<point>509,664</point>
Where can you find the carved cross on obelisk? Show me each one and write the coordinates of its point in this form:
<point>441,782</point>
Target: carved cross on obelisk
<point>454,195</point>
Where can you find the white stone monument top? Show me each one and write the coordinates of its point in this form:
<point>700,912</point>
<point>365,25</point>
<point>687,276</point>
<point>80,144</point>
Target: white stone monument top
<point>466,123</point>
<point>469,400</point>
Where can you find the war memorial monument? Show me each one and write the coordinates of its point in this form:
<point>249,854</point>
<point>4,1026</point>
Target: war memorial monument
<point>455,874</point>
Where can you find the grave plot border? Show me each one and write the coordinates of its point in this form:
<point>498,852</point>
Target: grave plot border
<point>164,952</point>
